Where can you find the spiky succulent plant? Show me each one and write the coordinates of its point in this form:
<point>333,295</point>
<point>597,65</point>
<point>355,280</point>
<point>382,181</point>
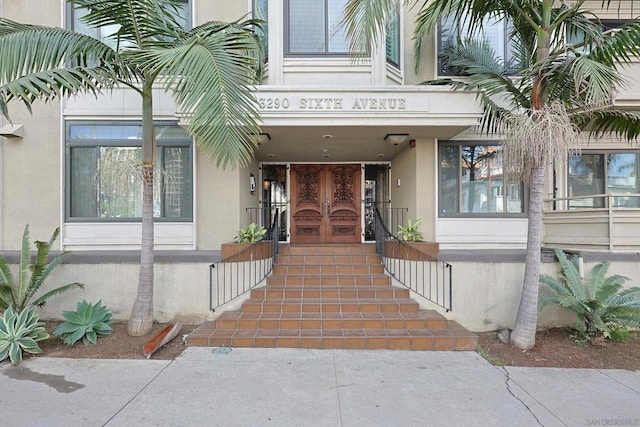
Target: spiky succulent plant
<point>87,323</point>
<point>20,332</point>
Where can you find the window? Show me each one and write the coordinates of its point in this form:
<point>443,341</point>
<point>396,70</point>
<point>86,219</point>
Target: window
<point>105,33</point>
<point>314,28</point>
<point>603,173</point>
<point>392,42</point>
<point>261,11</point>
<point>471,182</point>
<point>494,31</point>
<point>102,169</point>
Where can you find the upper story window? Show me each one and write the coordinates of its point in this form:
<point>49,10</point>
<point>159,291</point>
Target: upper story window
<point>260,10</point>
<point>591,174</point>
<point>103,175</point>
<point>313,27</point>
<point>105,33</point>
<point>471,182</point>
<point>494,31</point>
<point>392,42</point>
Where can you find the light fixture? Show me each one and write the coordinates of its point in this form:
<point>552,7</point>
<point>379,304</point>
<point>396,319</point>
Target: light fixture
<point>266,184</point>
<point>261,138</point>
<point>327,136</point>
<point>12,131</point>
<point>396,138</point>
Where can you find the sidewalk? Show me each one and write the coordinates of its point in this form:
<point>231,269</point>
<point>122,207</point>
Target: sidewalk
<point>295,387</point>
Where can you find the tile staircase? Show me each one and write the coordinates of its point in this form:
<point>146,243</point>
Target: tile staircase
<point>332,296</point>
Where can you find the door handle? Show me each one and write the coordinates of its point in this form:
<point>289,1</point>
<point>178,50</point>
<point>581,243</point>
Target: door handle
<point>327,205</point>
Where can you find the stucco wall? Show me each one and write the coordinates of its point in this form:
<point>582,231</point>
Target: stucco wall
<point>426,197</point>
<point>403,168</point>
<point>31,175</point>
<point>486,295</point>
<point>217,203</point>
<point>181,290</point>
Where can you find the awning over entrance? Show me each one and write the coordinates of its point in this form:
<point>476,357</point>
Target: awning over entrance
<point>351,123</point>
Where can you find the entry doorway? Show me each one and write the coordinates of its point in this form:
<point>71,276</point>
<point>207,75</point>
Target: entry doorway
<point>326,203</point>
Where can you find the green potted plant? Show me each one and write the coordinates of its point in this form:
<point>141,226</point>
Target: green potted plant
<point>411,232</point>
<point>414,246</point>
<point>245,238</point>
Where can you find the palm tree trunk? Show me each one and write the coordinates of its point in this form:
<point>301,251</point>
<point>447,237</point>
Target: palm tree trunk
<point>141,318</point>
<point>524,330</point>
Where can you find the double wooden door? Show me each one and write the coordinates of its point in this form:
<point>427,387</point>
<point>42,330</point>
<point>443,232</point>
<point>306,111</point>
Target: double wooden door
<point>325,203</point>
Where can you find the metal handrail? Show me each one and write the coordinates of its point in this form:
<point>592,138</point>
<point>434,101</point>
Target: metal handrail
<point>243,270</point>
<point>609,197</point>
<point>423,273</point>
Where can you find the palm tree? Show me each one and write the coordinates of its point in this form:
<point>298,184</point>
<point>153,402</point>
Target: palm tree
<point>210,70</point>
<point>557,91</point>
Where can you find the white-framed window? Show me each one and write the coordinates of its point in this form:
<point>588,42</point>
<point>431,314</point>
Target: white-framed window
<point>471,182</point>
<point>494,31</point>
<point>593,173</point>
<point>314,27</point>
<point>260,10</point>
<point>392,42</point>
<point>103,176</point>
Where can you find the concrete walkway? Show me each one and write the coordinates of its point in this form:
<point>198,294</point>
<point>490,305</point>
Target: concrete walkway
<point>296,387</point>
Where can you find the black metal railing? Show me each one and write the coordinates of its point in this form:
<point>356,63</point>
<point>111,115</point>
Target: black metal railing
<point>266,214</point>
<point>242,271</point>
<point>392,217</point>
<point>419,269</point>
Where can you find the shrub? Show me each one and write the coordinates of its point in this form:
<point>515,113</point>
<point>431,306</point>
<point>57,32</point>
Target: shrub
<point>88,322</point>
<point>411,232</point>
<point>251,234</point>
<point>20,332</point>
<point>20,293</point>
<point>600,303</point>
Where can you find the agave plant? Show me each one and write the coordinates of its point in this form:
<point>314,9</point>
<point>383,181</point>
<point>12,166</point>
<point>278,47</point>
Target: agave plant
<point>601,304</point>
<point>20,293</point>
<point>411,232</point>
<point>20,332</point>
<point>87,323</point>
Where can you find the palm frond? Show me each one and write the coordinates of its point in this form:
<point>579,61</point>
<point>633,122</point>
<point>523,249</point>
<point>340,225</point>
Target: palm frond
<point>142,23</point>
<point>211,78</point>
<point>30,66</point>
<point>572,275</point>
<point>600,122</point>
<point>619,46</point>
<point>30,49</point>
<point>597,278</point>
<point>365,21</point>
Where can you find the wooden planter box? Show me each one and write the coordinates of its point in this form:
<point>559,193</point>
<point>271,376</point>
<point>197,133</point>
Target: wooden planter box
<point>414,251</point>
<point>237,252</point>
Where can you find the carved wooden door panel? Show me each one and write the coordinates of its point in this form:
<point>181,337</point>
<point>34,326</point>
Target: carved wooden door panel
<point>325,203</point>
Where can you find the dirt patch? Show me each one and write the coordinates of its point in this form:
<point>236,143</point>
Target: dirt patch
<point>560,348</point>
<point>117,345</point>
<point>554,348</point>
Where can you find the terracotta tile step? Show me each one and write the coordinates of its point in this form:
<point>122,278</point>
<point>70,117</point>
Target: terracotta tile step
<point>419,320</point>
<point>321,305</point>
<point>339,249</point>
<point>330,280</point>
<point>407,339</point>
<point>334,269</point>
<point>286,292</point>
<point>327,259</point>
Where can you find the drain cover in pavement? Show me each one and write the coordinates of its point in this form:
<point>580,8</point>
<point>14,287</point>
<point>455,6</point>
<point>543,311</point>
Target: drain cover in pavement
<point>222,350</point>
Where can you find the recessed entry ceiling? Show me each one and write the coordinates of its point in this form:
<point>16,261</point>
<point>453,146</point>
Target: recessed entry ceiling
<point>340,144</point>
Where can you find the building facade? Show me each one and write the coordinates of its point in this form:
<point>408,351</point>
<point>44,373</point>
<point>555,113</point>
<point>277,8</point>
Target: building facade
<point>365,126</point>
